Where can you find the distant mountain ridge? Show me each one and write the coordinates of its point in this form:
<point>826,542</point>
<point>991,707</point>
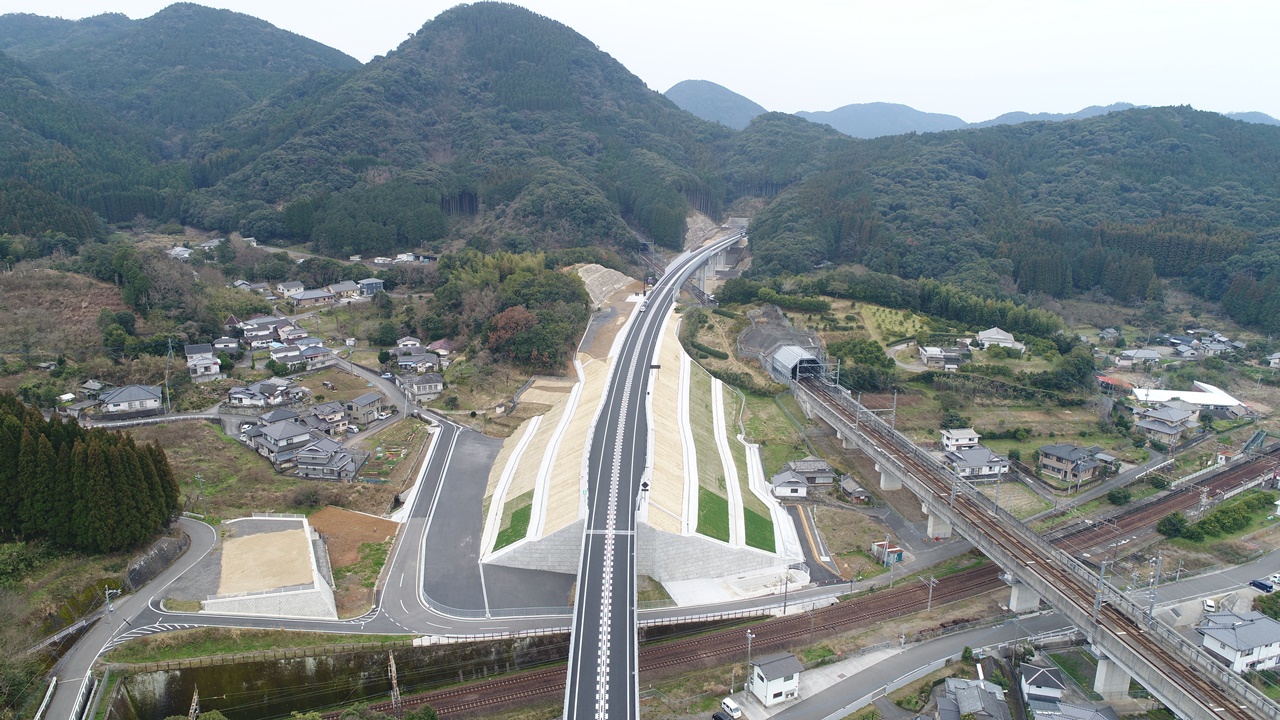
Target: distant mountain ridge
<point>714,103</point>
<point>717,103</point>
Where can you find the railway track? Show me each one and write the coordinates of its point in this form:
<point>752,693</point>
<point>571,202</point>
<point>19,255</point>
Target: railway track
<point>713,647</point>
<point>1081,536</point>
<point>1050,567</point>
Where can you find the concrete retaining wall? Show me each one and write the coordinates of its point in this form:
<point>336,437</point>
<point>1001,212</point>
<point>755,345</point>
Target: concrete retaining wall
<point>561,552</point>
<point>667,557</point>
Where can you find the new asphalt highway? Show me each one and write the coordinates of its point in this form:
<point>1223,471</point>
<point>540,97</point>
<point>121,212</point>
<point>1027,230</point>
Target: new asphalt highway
<point>603,655</point>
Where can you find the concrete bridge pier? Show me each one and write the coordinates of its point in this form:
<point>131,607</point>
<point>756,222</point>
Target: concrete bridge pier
<point>888,480</point>
<point>1111,682</point>
<point>939,527</point>
<point>1023,599</point>
<point>848,443</point>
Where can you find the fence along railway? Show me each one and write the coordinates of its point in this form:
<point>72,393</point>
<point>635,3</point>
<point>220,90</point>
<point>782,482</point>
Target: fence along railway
<point>1126,639</point>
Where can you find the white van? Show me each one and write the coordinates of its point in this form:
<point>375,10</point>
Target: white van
<point>1210,605</point>
<point>730,708</point>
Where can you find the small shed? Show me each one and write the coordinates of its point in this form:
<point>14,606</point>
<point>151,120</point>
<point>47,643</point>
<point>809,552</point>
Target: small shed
<point>882,550</point>
<point>792,362</point>
<point>854,491</point>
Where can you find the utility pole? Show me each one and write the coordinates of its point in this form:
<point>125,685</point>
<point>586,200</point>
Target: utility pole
<point>786,584</point>
<point>168,395</point>
<point>1151,597</point>
<point>931,582</point>
<point>395,687</point>
<point>750,636</point>
<point>194,712</point>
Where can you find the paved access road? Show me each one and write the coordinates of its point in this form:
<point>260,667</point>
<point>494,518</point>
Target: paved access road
<point>603,655</point>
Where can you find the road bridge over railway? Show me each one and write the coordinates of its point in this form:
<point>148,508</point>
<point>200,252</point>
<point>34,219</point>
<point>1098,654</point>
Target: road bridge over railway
<point>1128,642</point>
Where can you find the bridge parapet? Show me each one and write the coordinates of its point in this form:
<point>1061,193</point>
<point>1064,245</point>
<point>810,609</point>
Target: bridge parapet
<point>1124,657</point>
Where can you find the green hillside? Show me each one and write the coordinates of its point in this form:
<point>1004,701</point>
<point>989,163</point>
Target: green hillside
<point>67,160</point>
<point>490,118</point>
<point>181,69</point>
<point>1109,202</point>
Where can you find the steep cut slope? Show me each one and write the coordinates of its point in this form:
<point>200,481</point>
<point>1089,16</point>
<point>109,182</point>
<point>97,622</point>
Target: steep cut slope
<point>181,69</point>
<point>490,116</point>
<point>714,103</point>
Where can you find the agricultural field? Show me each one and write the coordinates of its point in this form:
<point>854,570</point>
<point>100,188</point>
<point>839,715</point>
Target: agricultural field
<point>394,453</point>
<point>345,385</point>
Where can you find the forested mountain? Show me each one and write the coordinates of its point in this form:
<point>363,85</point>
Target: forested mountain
<point>714,103</point>
<point>1110,202</point>
<point>490,116</point>
<point>181,69</point>
<point>870,120</point>
<point>61,161</point>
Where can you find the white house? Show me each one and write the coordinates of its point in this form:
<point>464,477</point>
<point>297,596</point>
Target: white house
<point>181,254</point>
<point>289,289</point>
<point>959,439</point>
<point>788,485</point>
<point>1208,397</point>
<point>1041,683</point>
<point>775,679</point>
<point>345,289</point>
<point>978,462</point>
<point>132,399</point>
<point>1249,641</point>
<point>1273,360</point>
<point>408,341</point>
<point>201,364</point>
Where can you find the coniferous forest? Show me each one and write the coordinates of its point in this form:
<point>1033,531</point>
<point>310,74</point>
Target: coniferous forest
<point>89,490</point>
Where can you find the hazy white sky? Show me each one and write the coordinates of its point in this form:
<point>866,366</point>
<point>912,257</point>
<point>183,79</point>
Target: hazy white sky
<point>975,59</point>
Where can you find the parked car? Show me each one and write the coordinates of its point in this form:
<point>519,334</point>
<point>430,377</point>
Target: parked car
<point>387,376</point>
<point>730,708</point>
<point>1262,585</point>
<point>1210,605</point>
<point>719,715</point>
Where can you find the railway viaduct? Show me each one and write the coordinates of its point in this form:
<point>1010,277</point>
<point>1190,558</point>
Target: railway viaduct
<point>1127,641</point>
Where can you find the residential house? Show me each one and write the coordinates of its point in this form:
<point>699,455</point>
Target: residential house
<point>345,289</point>
<point>290,355</point>
<point>226,344</point>
<point>277,440</point>
<point>1114,386</point>
<point>370,286</point>
<point>201,364</point>
<point>133,399</point>
<point>181,254</point>
<point>1248,641</point>
<point>326,459</point>
<point>442,347</point>
<point>1108,335</point>
<point>978,462</point>
<point>1166,424</point>
<point>264,393</point>
<point>980,699</point>
<point>211,244</point>
<point>333,417</point>
<point>931,356</point>
<point>318,356</point>
<point>289,289</point>
<point>259,332</point>
<point>364,409</point>
<point>1273,360</point>
<point>382,260</point>
<point>1211,349</point>
<point>1137,358</point>
<point>775,679</point>
<point>408,341</point>
<point>275,416</point>
<point>813,470</point>
<point>291,334</point>
<point>959,439</point>
<point>90,389</point>
<point>421,388</point>
<point>1069,462</point>
<point>1041,683</point>
<point>788,485</point>
<point>306,342</point>
<point>1186,352</point>
<point>996,336</point>
<point>312,298</point>
<point>355,258</point>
